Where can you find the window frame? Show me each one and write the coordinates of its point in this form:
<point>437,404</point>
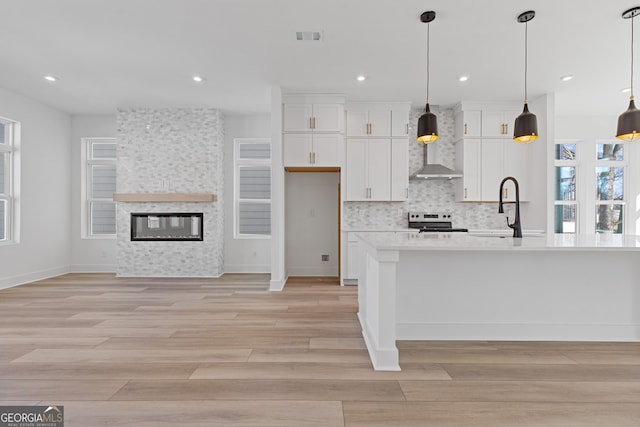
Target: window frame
<point>87,198</point>
<point>238,163</point>
<point>578,175</point>
<point>10,148</point>
<point>623,203</point>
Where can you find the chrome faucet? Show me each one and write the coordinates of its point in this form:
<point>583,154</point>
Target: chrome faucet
<point>517,229</point>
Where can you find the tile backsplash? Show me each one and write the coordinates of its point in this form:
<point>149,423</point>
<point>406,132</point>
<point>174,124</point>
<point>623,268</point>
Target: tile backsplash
<point>432,195</point>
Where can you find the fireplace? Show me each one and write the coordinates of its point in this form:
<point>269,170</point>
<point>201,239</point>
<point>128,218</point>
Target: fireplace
<point>166,227</point>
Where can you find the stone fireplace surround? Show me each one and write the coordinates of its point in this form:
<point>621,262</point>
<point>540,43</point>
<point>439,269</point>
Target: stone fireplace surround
<point>163,153</point>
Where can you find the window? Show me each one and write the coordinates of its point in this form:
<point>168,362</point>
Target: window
<point>252,187</point>
<point>609,188</point>
<point>8,181</point>
<point>99,184</point>
<point>565,202</point>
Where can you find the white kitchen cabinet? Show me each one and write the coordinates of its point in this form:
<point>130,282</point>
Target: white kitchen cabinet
<point>468,124</point>
<point>468,159</point>
<point>502,158</point>
<point>369,122</point>
<point>498,123</point>
<point>312,150</point>
<point>399,122</point>
<point>368,170</point>
<point>399,169</point>
<point>318,117</point>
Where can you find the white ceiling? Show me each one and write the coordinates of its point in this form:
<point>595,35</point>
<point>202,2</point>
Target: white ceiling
<point>111,54</point>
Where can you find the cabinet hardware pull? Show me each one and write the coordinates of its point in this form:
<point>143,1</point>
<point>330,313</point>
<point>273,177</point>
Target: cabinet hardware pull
<point>310,122</point>
<point>506,193</point>
<point>314,157</point>
<point>407,125</point>
<point>506,128</point>
<point>314,122</point>
<point>407,192</point>
<point>465,128</point>
<point>465,193</point>
<point>310,159</point>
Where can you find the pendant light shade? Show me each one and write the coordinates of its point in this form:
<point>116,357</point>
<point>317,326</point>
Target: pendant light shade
<point>427,127</point>
<point>629,121</point>
<point>525,129</point>
<point>428,122</point>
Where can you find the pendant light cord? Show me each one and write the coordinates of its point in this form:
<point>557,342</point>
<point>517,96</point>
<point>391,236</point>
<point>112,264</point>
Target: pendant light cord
<point>632,19</point>
<point>526,55</point>
<point>428,27</point>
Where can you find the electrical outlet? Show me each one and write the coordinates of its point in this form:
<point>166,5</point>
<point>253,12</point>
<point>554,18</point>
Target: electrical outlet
<point>325,257</point>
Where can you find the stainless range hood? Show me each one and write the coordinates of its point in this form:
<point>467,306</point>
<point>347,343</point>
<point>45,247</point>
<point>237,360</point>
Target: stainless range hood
<point>434,170</point>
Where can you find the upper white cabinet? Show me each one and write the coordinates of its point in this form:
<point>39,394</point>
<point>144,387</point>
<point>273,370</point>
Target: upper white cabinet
<point>486,153</point>
<point>320,117</point>
<point>366,123</point>
<point>312,150</point>
<point>368,169</point>
<point>377,159</point>
<point>468,124</point>
<point>468,160</point>
<point>377,119</point>
<point>498,123</point>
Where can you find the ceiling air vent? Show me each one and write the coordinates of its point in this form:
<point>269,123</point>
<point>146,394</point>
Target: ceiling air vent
<point>309,36</point>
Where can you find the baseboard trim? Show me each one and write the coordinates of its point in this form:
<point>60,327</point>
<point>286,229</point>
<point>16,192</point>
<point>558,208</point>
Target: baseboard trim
<point>93,268</point>
<point>21,279</point>
<point>247,268</point>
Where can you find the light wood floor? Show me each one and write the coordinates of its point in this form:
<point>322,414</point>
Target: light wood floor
<point>226,352</point>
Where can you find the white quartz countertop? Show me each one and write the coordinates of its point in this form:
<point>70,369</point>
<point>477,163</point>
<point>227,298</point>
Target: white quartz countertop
<point>468,242</point>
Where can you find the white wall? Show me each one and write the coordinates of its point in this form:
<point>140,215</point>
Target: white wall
<point>44,249</point>
<point>312,200</point>
<point>88,255</point>
<point>242,255</point>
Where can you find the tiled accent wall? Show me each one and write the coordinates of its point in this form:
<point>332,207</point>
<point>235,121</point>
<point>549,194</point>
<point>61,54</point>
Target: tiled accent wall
<point>431,195</point>
<point>170,151</point>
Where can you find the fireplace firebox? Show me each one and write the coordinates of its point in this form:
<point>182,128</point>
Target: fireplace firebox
<point>166,227</point>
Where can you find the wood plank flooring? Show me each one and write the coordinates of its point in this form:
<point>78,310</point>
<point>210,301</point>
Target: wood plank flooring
<point>227,352</point>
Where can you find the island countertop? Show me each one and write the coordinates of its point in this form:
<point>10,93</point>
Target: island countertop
<point>411,241</point>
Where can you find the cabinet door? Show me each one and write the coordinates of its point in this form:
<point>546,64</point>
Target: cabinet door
<point>516,164</point>
<point>328,118</point>
<point>491,169</point>
<point>352,260</point>
<point>469,124</point>
<point>399,169</point>
<point>297,149</point>
<point>380,122</point>
<point>469,161</point>
<point>296,117</point>
<point>356,170</point>
<point>399,122</point>
<point>327,150</point>
<point>492,124</point>
<point>357,123</point>
<point>379,169</point>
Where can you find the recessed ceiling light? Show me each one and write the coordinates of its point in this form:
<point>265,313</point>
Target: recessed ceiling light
<point>51,78</point>
<point>197,79</point>
<point>625,90</point>
<point>567,77</point>
<point>463,78</point>
<point>361,78</point>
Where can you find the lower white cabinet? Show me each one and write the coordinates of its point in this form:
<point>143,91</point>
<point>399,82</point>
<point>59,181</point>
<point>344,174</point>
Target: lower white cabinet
<point>312,150</point>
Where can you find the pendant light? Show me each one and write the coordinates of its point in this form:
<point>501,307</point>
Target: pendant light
<point>629,121</point>
<point>525,129</point>
<point>428,122</point>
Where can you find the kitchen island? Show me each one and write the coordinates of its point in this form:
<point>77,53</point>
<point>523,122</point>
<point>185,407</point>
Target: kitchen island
<point>458,286</point>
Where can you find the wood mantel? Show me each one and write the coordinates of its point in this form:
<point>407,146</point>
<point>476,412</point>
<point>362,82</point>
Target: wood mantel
<point>164,197</point>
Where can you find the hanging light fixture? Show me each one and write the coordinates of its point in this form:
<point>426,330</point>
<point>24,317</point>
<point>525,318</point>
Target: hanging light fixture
<point>525,128</point>
<point>428,122</point>
<point>629,121</point>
